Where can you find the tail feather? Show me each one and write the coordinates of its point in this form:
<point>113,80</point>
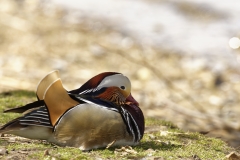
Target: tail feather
<point>27,107</point>
<point>12,125</point>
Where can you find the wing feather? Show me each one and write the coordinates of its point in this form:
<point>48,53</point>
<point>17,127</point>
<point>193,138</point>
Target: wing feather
<point>37,117</point>
<point>25,108</point>
<point>56,98</point>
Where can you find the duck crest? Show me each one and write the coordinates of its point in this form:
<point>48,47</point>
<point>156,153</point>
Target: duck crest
<point>93,82</point>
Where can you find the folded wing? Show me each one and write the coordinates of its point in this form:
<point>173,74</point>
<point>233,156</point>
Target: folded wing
<point>56,98</point>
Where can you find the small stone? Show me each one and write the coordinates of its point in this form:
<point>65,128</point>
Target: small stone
<point>46,153</point>
<point>195,157</point>
<point>3,151</point>
<point>12,139</point>
<point>151,136</point>
<point>233,156</point>
<point>150,152</point>
<point>164,133</point>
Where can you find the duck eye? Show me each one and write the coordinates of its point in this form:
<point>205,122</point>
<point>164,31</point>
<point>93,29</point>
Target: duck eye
<point>122,87</point>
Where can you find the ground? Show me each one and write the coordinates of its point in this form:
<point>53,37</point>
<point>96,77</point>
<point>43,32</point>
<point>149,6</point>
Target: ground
<point>162,140</point>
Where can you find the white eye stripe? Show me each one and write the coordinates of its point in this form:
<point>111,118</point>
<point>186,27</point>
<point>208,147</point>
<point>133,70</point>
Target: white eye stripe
<point>117,80</point>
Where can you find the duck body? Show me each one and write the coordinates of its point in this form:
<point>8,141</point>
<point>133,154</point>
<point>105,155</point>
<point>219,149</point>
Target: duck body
<point>102,127</point>
<point>93,117</point>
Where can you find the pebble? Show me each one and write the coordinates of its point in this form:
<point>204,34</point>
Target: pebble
<point>3,151</point>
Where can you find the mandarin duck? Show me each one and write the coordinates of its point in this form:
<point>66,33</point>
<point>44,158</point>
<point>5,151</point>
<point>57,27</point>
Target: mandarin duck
<point>101,113</point>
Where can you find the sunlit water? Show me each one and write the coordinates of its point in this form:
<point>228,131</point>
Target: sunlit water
<point>164,24</point>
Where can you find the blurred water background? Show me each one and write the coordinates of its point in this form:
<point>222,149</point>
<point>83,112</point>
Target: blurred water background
<point>178,54</point>
<point>201,27</point>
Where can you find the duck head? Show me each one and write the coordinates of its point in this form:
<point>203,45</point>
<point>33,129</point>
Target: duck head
<point>109,86</point>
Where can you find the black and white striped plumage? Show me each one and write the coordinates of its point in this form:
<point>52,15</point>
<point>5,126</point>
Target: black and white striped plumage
<point>99,113</point>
